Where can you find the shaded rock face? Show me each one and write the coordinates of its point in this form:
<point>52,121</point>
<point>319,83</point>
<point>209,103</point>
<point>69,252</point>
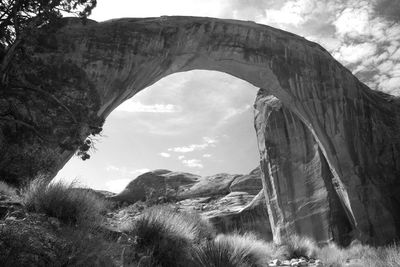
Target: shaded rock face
<point>355,128</point>
<point>250,183</point>
<point>251,217</point>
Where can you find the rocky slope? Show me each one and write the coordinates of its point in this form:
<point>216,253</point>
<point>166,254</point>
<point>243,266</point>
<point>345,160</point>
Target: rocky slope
<point>230,202</point>
<point>103,64</point>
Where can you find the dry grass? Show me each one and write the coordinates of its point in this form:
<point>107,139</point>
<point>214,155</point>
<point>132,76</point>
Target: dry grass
<point>367,256</point>
<point>69,205</point>
<point>214,254</point>
<point>167,236</point>
<point>237,250</point>
<point>259,251</point>
<point>297,247</point>
<point>29,245</point>
<point>7,189</point>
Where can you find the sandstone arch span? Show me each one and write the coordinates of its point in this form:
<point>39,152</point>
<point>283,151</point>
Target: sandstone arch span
<point>354,129</point>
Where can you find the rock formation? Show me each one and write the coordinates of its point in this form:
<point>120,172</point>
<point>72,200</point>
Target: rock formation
<point>106,63</point>
<point>157,184</point>
<point>298,174</point>
<point>230,202</point>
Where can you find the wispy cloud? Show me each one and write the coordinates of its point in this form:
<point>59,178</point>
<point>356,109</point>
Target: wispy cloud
<point>165,154</point>
<point>207,155</point>
<point>123,172</point>
<point>193,163</point>
<point>207,142</point>
<point>232,112</point>
<point>135,106</point>
<point>355,53</point>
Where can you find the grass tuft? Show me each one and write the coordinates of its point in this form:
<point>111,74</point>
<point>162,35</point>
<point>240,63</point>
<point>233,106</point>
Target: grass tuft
<point>70,205</point>
<point>297,247</point>
<point>364,255</point>
<point>167,236</point>
<point>215,254</point>
<point>237,250</point>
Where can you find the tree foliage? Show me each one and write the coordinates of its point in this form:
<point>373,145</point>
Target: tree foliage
<point>16,16</point>
<point>19,17</point>
<point>45,106</point>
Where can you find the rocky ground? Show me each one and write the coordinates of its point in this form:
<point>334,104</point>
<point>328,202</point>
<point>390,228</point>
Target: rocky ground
<point>234,203</point>
<point>230,202</point>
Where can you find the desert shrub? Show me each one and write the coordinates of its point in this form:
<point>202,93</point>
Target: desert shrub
<point>7,189</point>
<point>331,255</point>
<point>64,202</point>
<point>236,250</point>
<point>215,254</point>
<point>297,246</point>
<point>167,236</point>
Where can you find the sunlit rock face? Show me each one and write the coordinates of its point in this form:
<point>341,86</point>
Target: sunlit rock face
<point>231,202</point>
<point>297,178</point>
<point>355,128</point>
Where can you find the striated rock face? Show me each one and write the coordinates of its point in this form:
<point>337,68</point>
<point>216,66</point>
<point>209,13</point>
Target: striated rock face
<point>354,127</point>
<point>297,173</point>
<point>170,185</point>
<point>250,183</point>
<point>250,217</point>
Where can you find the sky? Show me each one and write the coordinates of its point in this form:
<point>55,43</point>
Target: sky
<point>202,121</point>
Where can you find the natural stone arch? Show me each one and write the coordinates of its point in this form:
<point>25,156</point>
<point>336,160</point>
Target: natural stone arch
<point>354,126</point>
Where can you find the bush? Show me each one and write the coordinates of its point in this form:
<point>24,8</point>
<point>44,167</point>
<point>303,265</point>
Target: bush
<point>237,250</point>
<point>215,254</point>
<point>166,236</point>
<point>70,205</point>
<point>297,247</point>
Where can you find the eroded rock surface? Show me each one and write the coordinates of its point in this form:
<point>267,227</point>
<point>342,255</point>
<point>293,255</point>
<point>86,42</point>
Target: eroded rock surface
<point>212,196</point>
<point>106,63</point>
<point>297,173</point>
<point>151,186</point>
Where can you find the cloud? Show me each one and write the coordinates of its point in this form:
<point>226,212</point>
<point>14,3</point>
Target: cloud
<point>193,163</point>
<point>181,157</point>
<point>207,155</point>
<point>207,142</point>
<point>390,85</point>
<point>124,171</point>
<point>165,155</point>
<point>353,21</point>
<point>292,12</point>
<point>117,185</point>
<point>135,106</point>
<point>356,53</point>
<point>389,9</point>
<point>232,112</point>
